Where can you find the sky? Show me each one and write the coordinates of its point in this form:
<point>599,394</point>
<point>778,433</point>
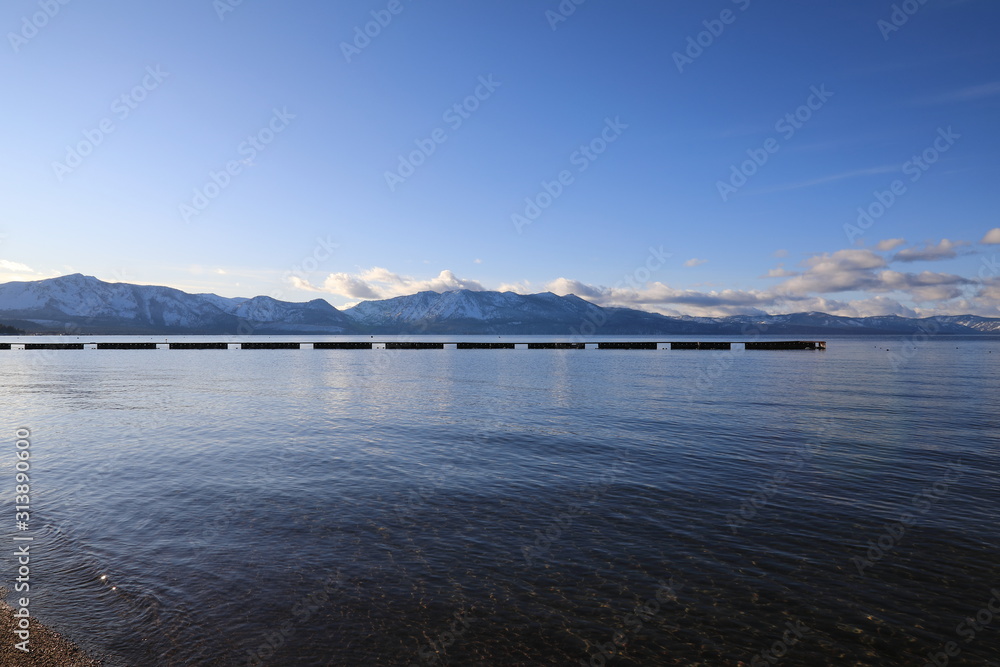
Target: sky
<point>682,157</point>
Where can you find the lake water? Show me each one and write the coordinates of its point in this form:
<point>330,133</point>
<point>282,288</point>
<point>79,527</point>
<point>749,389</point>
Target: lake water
<point>508,507</point>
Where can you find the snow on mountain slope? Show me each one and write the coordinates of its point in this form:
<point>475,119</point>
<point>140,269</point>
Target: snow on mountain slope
<point>470,305</point>
<point>266,309</point>
<point>223,303</point>
<point>92,304</point>
<point>77,296</point>
<point>986,325</point>
<point>85,304</point>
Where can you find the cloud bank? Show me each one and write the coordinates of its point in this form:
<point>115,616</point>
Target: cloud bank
<point>852,282</point>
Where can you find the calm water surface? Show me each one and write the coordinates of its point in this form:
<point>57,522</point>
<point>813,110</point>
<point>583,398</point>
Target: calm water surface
<point>480,507</point>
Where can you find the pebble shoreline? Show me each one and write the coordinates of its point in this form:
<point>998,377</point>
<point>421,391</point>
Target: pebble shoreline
<point>48,648</point>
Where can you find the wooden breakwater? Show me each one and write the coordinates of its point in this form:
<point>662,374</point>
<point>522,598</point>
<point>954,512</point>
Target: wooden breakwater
<point>424,345</point>
<point>786,345</point>
<point>126,346</point>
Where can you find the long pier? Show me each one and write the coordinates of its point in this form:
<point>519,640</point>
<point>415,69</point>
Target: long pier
<point>425,345</point>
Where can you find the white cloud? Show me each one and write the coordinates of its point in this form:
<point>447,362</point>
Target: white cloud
<point>889,244</point>
<point>990,291</point>
<point>564,286</point>
<point>944,249</point>
<point>16,271</point>
<point>779,272</point>
<point>991,237</point>
<point>694,261</point>
<point>924,286</point>
<point>884,169</point>
<point>523,287</point>
<point>352,286</point>
<point>841,271</point>
<point>967,94</point>
<point>660,298</point>
<point>865,276</point>
<point>875,307</point>
<point>7,265</point>
<point>864,271</point>
<point>896,280</point>
<point>380,283</point>
<point>780,253</point>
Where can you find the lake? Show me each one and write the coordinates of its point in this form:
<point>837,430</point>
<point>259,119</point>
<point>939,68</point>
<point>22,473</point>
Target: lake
<point>513,507</point>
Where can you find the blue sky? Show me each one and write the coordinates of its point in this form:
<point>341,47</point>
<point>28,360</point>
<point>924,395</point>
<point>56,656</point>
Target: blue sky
<point>684,157</point>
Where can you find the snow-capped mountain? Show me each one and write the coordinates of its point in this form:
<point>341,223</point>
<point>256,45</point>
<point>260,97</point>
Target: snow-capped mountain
<point>466,311</point>
<point>990,325</point>
<point>85,304</point>
<point>471,312</point>
<point>815,323</point>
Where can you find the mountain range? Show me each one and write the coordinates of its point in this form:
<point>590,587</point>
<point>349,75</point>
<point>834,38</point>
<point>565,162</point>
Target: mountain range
<point>85,305</point>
